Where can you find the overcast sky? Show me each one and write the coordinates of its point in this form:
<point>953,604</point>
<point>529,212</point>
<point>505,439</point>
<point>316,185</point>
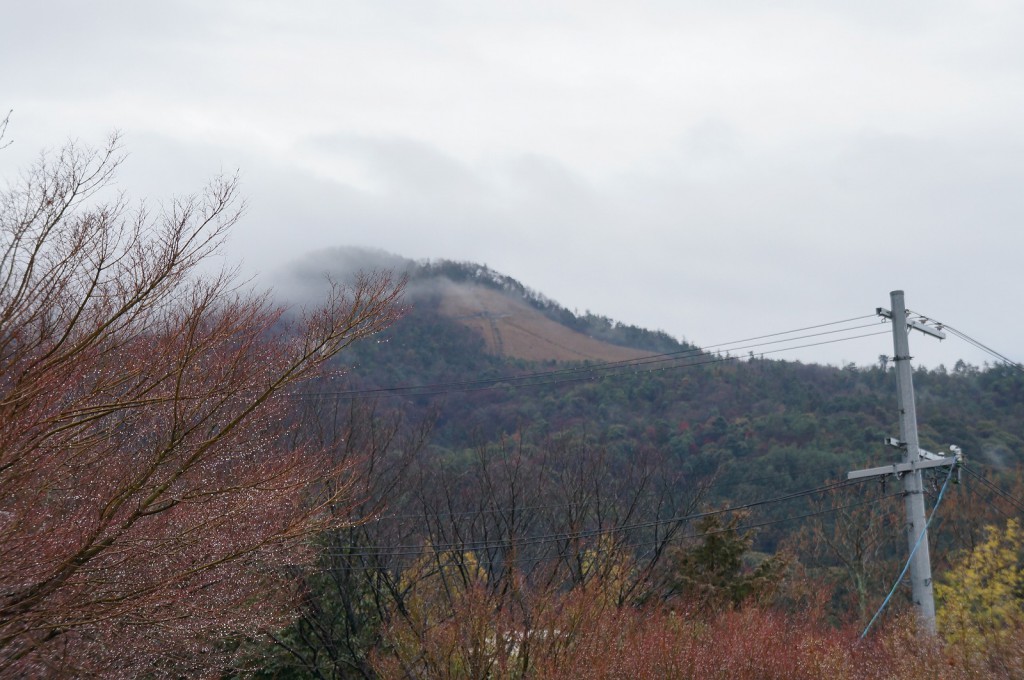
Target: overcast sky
<point>717,170</point>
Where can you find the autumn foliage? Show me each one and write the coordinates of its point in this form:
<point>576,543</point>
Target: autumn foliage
<point>171,498</point>
<point>474,600</point>
<point>578,635</point>
<point>981,601</point>
<point>151,503</point>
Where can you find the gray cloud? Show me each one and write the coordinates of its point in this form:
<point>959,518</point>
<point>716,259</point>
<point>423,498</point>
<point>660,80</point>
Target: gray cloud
<point>717,171</point>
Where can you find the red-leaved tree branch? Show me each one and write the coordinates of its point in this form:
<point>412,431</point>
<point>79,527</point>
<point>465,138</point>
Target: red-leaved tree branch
<point>148,505</point>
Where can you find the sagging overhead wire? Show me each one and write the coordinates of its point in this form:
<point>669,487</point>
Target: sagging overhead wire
<point>549,506</point>
<point>655,363</point>
<point>974,343</point>
<point>792,518</point>
<point>1009,498</point>
<point>461,549</point>
<point>724,345</point>
<point>985,348</point>
<point>416,550</point>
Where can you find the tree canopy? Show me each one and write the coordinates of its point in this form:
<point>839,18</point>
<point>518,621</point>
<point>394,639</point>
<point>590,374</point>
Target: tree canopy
<point>151,501</point>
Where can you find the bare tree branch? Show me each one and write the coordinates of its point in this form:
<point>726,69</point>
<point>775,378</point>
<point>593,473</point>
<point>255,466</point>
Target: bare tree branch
<point>149,503</point>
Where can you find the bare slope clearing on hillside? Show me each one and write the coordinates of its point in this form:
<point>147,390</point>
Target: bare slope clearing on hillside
<point>512,328</point>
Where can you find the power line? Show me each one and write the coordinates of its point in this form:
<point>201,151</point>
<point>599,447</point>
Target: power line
<point>792,518</point>
<point>400,550</point>
<point>582,373</point>
<point>975,343</point>
<point>739,528</point>
<point>461,548</point>
<point>798,330</point>
<point>985,348</point>
<point>987,498</point>
<point>589,372</point>
<point>551,506</point>
<point>1012,500</point>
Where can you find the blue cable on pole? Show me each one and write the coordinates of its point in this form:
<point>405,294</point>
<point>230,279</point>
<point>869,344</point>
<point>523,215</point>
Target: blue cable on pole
<point>924,532</point>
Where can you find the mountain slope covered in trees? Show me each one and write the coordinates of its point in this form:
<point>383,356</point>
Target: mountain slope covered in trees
<point>708,410</point>
<point>522,495</point>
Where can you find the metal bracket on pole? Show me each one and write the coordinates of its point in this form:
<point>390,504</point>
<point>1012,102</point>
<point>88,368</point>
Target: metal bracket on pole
<point>899,469</point>
<point>917,326</point>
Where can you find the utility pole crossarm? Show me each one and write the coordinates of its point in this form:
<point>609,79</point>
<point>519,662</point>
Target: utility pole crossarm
<point>899,469</point>
<point>917,326</point>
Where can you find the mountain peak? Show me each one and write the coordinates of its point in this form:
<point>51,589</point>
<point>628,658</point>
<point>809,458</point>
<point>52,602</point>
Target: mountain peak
<point>512,319</point>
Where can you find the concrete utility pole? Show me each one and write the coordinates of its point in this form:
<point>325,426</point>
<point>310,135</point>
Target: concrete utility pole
<point>914,460</point>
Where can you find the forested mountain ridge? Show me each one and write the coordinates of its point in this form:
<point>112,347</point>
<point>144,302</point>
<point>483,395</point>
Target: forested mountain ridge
<point>498,490</point>
<point>453,289</point>
<point>703,405</point>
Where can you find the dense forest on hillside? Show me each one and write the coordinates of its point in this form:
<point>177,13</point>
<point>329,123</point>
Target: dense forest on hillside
<point>709,411</point>
<point>194,482</point>
<point>687,477</point>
